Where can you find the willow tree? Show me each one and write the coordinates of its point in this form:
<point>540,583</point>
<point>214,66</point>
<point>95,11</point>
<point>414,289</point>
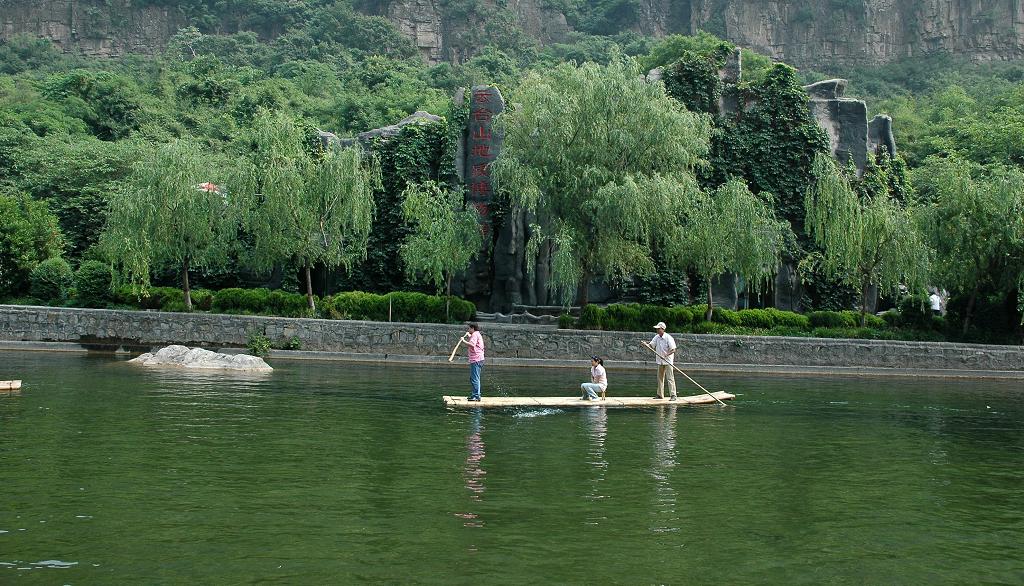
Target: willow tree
<point>446,235</point>
<point>729,230</point>
<point>869,240</point>
<point>605,160</point>
<point>976,224</point>
<point>305,202</point>
<point>171,212</point>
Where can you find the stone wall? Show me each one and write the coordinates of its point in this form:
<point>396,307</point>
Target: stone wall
<point>136,329</point>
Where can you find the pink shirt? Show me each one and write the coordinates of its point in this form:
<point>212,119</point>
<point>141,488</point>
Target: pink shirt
<point>476,347</point>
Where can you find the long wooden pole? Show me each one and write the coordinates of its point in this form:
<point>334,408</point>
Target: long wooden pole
<point>455,349</point>
<point>677,369</point>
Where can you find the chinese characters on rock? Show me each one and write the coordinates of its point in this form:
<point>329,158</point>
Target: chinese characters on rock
<point>482,145</point>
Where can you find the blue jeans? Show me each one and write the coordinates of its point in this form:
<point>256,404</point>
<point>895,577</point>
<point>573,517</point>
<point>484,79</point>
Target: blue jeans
<point>590,390</point>
<point>474,378</point>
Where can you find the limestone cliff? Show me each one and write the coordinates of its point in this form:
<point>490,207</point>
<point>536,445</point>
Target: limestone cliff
<point>821,32</point>
<point>98,28</point>
<point>810,33</point>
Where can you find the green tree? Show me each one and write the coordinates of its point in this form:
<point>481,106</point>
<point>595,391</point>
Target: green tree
<point>729,231</point>
<point>76,178</point>
<point>305,202</point>
<point>170,213</point>
<point>93,282</point>
<point>52,280</point>
<point>445,238</point>
<point>606,161</point>
<point>870,240</point>
<point>29,235</point>
<point>976,224</point>
<point>110,104</point>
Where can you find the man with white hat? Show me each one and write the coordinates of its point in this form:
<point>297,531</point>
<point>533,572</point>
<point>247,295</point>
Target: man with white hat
<point>665,346</point>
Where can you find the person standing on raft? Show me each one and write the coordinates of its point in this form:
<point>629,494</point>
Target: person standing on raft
<point>475,342</point>
<point>598,380</point>
<point>665,346</point>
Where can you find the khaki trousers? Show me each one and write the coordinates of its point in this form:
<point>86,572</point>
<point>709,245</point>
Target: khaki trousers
<point>665,372</point>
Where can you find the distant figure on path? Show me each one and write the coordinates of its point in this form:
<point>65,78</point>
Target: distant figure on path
<point>475,342</point>
<point>598,380</point>
<point>665,346</point>
<point>936,302</point>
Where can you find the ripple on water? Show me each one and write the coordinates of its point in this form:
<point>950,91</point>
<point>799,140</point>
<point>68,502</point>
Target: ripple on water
<point>54,564</point>
<point>536,412</point>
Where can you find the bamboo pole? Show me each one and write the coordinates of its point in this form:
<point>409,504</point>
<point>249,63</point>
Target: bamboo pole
<point>455,349</point>
<point>677,369</point>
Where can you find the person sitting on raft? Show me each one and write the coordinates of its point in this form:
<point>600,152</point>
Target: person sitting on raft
<point>598,380</point>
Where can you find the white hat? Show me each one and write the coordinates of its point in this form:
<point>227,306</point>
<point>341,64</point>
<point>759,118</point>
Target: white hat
<point>660,326</point>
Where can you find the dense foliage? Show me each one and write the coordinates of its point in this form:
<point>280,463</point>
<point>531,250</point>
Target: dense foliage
<point>958,125</point>
<point>304,201</point>
<point>446,234</point>
<point>29,236</point>
<point>607,162</point>
<point>868,239</point>
<point>76,134</point>
<point>171,213</point>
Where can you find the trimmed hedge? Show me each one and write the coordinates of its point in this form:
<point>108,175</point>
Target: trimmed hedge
<point>93,282</point>
<point>407,307</point>
<point>161,298</point>
<point>52,280</point>
<point>635,317</point>
<point>260,302</point>
<point>787,319</point>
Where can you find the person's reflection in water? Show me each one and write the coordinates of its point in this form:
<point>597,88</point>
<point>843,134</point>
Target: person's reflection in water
<point>472,473</point>
<point>596,420</point>
<point>664,461</point>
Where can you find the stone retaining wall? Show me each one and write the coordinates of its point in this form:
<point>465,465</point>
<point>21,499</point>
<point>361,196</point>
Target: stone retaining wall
<point>145,329</point>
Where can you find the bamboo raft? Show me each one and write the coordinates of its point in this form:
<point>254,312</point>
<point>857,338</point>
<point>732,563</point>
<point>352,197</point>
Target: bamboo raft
<point>9,387</point>
<point>705,399</point>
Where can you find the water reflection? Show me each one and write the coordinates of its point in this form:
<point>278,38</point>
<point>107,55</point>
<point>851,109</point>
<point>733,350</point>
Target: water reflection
<point>171,379</point>
<point>472,473</point>
<point>662,464</point>
<point>596,420</point>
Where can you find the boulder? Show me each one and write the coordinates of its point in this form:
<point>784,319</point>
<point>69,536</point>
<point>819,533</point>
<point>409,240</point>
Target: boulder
<point>417,117</point>
<point>829,89</point>
<point>200,359</point>
<point>880,135</point>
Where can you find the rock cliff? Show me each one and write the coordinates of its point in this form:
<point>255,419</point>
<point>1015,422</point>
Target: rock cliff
<point>822,32</point>
<point>807,34</point>
<point>92,27</point>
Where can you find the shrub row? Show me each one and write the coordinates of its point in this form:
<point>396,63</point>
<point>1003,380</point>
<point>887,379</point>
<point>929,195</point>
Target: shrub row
<point>398,306</point>
<point>635,317</point>
<point>260,302</point>
<point>53,282</point>
<point>408,307</point>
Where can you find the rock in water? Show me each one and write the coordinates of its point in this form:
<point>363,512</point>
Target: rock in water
<point>185,357</point>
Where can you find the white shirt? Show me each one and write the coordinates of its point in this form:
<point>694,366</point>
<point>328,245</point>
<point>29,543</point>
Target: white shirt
<point>599,377</point>
<point>663,345</point>
<point>936,302</point>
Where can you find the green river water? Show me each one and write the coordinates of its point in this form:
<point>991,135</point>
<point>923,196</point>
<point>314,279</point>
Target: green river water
<point>336,473</point>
